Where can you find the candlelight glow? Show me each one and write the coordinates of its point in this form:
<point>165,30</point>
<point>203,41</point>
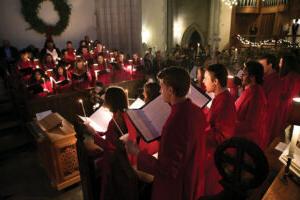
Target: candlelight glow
<point>296,99</point>
<point>80,101</point>
<point>146,34</point>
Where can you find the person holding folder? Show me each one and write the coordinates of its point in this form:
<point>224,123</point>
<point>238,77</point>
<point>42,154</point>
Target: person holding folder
<point>179,168</point>
<point>221,118</point>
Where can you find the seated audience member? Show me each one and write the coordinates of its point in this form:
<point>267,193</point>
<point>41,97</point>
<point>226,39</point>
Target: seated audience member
<point>272,88</point>
<point>24,61</point>
<point>25,66</point>
<point>85,54</point>
<point>251,106</point>
<point>96,94</point>
<point>61,79</point>
<point>80,73</point>
<point>39,84</point>
<point>102,70</point>
<point>48,62</point>
<point>98,49</point>
<point>221,118</point>
<point>116,172</point>
<point>290,88</point>
<point>179,168</point>
<point>8,53</point>
<point>69,54</point>
<point>49,48</point>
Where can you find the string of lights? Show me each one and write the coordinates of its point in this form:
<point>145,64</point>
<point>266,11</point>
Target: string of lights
<point>269,42</point>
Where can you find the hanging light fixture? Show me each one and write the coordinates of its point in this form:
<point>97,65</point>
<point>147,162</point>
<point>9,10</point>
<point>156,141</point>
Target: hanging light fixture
<point>231,3</point>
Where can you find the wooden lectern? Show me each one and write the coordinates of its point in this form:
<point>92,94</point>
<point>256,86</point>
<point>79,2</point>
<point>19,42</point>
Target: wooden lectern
<point>57,152</point>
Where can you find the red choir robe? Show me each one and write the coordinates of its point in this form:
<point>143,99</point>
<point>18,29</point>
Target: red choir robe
<point>272,89</point>
<point>116,172</point>
<point>150,148</point>
<point>179,169</point>
<point>251,109</point>
<point>70,57</point>
<point>104,77</point>
<point>24,64</point>
<point>290,88</point>
<point>62,87</point>
<point>221,118</point>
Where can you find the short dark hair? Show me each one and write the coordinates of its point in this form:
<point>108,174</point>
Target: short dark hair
<point>152,89</point>
<point>116,99</point>
<point>177,78</point>
<point>219,72</point>
<point>256,70</point>
<point>271,59</point>
<point>289,64</point>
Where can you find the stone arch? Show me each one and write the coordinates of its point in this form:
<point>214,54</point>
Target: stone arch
<point>188,33</point>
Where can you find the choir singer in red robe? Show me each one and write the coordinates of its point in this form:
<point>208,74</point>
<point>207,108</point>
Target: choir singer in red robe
<point>179,169</point>
<point>272,89</point>
<point>221,118</point>
<point>251,106</point>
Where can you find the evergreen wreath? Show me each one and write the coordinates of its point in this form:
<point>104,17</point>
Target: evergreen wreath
<point>30,12</point>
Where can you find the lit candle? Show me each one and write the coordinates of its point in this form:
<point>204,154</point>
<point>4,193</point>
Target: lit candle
<point>51,81</point>
<point>235,53</point>
<point>96,74</point>
<point>44,82</point>
<point>37,66</point>
<point>126,92</point>
<point>198,48</point>
<point>295,136</point>
<point>83,110</point>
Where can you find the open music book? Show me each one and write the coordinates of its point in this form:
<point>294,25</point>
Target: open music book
<point>99,120</point>
<point>295,164</point>
<point>137,104</point>
<point>150,119</point>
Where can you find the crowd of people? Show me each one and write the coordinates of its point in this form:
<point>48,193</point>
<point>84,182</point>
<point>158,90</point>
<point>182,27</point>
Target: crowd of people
<point>254,103</point>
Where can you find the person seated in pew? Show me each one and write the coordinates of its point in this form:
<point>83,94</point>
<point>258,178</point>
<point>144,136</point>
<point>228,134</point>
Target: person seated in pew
<point>50,48</point>
<point>251,106</point>
<point>272,88</point>
<point>81,74</point>
<point>48,63</point>
<point>24,61</point>
<point>221,118</point>
<point>179,168</point>
<point>39,85</point>
<point>69,54</point>
<point>102,70</point>
<point>118,179</point>
<point>98,49</point>
<point>290,88</point>
<point>61,80</point>
<point>85,54</point>
<point>96,95</point>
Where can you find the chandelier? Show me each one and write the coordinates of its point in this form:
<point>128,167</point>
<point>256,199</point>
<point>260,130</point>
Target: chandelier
<point>231,3</point>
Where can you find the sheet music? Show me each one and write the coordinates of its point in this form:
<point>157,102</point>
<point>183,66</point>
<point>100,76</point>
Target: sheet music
<point>42,115</point>
<point>197,97</point>
<point>143,125</point>
<point>100,119</point>
<point>138,103</point>
<point>157,111</point>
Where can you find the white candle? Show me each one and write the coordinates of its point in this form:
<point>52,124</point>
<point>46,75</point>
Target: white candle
<point>235,53</point>
<point>51,81</point>
<point>295,136</point>
<point>83,110</point>
<point>96,74</point>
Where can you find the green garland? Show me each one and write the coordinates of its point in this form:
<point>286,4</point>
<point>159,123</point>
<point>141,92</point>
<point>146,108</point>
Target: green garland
<point>30,10</point>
